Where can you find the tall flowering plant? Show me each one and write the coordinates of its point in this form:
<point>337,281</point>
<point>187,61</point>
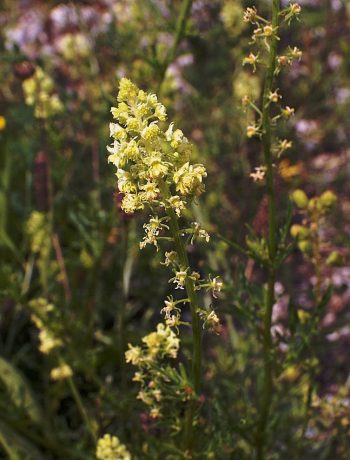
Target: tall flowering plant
<point>271,251</point>
<point>155,172</point>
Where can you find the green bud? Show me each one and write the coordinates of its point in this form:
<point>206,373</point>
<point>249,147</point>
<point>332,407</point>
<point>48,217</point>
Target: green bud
<point>305,246</point>
<point>313,204</point>
<point>298,231</point>
<point>300,199</point>
<point>335,259</point>
<point>328,199</point>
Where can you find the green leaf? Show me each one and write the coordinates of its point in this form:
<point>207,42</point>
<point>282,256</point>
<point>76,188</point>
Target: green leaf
<point>17,447</point>
<point>19,391</point>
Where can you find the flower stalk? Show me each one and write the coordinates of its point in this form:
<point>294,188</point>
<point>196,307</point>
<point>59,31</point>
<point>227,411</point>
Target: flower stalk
<point>190,289</point>
<point>265,403</point>
<point>185,11</point>
<point>154,171</point>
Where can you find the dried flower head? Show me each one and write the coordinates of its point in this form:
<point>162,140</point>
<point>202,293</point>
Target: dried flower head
<point>250,14</point>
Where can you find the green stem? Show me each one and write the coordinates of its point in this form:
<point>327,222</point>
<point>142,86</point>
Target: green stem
<point>265,404</point>
<point>81,408</point>
<point>190,289</point>
<point>185,11</point>
<point>193,301</point>
<point>122,307</point>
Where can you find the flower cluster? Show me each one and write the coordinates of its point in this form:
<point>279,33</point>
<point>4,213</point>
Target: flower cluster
<point>110,448</point>
<point>42,311</point>
<point>37,229</point>
<point>158,346</point>
<point>39,92</point>
<point>47,320</point>
<point>146,155</point>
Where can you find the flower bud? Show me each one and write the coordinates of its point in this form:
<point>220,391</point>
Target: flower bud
<point>305,246</point>
<point>298,231</point>
<point>328,199</point>
<point>300,198</point>
<point>335,259</point>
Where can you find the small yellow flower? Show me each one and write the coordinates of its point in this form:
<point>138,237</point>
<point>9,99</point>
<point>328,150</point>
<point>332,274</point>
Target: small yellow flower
<point>180,279</point>
<point>212,322</point>
<point>133,355</point>
<point>2,123</point>
<point>170,258</point>
<point>296,53</point>
<point>155,412</point>
<point>127,90</point>
<point>151,132</point>
<point>62,372</point>
<point>160,112</point>
<point>117,132</point>
<point>215,285</point>
<point>252,59</point>
<point>287,112</point>
<point>282,60</point>
<point>150,191</point>
<point>145,398</point>
<point>47,341</point>
<point>274,96</point>
<point>268,31</point>
<point>131,203</point>
<point>177,204</point>
<point>284,145</point>
<point>157,168</point>
<point>295,8</point>
<point>252,130</point>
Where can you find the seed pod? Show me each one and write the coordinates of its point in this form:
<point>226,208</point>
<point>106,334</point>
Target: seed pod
<point>328,199</point>
<point>335,259</point>
<point>305,246</point>
<point>299,231</point>
<point>300,198</point>
<point>313,204</point>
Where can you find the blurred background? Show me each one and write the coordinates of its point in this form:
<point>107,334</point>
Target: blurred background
<point>74,287</point>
